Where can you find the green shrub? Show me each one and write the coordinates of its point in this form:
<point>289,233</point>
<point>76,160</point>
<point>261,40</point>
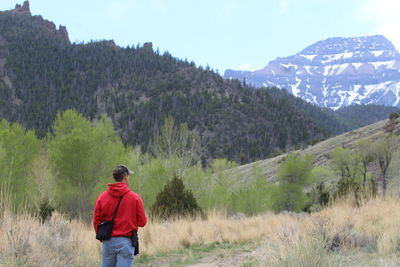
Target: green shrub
<point>314,141</point>
<point>175,201</point>
<point>275,153</point>
<point>45,210</point>
<point>319,197</point>
<point>394,115</point>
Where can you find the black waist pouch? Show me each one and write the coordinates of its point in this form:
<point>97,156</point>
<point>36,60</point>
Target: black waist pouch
<point>104,230</point>
<point>135,242</point>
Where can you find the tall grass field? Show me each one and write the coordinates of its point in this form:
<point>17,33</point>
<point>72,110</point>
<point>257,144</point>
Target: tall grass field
<point>340,235</point>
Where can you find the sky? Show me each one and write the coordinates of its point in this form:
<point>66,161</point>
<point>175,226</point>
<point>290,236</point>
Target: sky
<point>223,34</point>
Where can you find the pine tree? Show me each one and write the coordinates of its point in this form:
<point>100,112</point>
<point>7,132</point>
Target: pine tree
<point>175,201</point>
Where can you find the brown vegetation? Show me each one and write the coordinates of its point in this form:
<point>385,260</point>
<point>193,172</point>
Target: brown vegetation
<point>327,237</point>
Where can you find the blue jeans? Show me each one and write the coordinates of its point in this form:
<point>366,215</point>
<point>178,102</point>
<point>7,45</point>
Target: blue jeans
<point>117,251</point>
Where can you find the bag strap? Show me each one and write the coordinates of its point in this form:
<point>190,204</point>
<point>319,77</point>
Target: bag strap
<point>116,209</point>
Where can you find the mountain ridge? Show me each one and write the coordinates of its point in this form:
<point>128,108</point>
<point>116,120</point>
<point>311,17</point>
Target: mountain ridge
<point>43,74</point>
<point>335,72</point>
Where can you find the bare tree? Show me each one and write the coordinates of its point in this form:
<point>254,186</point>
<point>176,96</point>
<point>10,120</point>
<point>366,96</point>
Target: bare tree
<point>365,154</point>
<point>174,141</point>
<point>385,149</point>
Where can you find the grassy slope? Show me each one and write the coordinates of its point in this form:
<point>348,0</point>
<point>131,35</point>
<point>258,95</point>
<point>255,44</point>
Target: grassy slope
<point>321,152</point>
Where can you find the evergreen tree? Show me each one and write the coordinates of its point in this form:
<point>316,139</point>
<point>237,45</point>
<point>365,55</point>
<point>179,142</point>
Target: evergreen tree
<point>175,201</point>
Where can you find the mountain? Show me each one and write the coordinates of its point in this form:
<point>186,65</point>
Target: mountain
<point>336,72</point>
<point>43,73</point>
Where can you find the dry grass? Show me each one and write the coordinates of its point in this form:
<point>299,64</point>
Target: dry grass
<point>24,241</point>
<point>178,234</point>
<point>341,235</point>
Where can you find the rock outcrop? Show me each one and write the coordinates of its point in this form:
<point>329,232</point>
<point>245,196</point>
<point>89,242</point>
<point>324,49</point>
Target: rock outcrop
<point>61,32</point>
<point>24,9</point>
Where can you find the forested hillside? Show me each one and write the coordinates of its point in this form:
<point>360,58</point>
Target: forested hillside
<point>357,116</point>
<point>42,73</point>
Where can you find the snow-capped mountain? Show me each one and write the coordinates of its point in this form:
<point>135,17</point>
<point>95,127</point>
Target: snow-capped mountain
<point>335,72</point>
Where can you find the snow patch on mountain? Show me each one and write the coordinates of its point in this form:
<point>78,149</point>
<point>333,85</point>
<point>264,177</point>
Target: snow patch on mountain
<point>335,72</point>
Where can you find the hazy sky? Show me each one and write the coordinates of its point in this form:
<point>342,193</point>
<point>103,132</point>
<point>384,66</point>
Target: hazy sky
<point>237,34</point>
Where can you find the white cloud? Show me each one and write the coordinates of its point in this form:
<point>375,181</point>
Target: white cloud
<point>384,17</point>
<point>247,67</point>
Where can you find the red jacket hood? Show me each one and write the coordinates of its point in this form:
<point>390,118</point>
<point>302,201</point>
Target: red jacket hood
<point>118,189</point>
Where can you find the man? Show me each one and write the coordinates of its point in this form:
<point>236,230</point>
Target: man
<point>130,215</point>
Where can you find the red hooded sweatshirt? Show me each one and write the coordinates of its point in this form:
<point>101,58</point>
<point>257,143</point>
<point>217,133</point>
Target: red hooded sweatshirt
<point>130,215</point>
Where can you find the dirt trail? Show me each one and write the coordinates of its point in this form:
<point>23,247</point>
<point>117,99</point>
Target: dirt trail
<point>235,257</point>
<point>246,254</point>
